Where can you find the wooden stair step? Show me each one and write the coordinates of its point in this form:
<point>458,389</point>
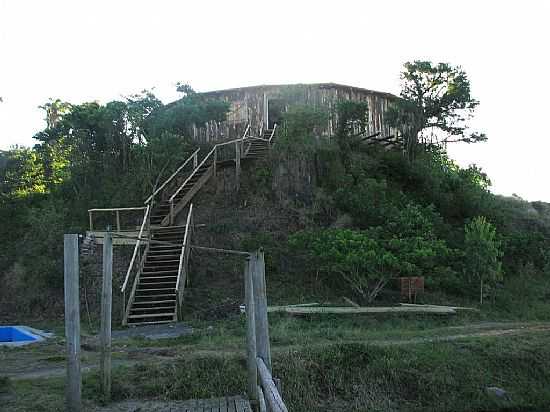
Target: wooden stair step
<point>152,267</point>
<point>155,295</point>
<point>162,261</point>
<point>156,302</point>
<point>160,279</point>
<point>151,315</point>
<point>155,290</point>
<point>149,323</point>
<point>169,284</point>
<point>158,272</point>
<point>152,309</point>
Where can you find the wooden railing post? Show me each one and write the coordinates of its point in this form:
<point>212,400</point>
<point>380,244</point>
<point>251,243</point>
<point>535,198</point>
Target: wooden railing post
<point>118,221</point>
<point>237,165</point>
<point>260,306</point>
<point>106,312</point>
<point>249,269</point>
<point>91,221</point>
<point>72,323</point>
<point>215,161</point>
<point>171,211</point>
<point>195,161</point>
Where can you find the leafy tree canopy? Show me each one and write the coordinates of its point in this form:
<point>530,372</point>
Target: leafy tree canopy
<point>436,105</point>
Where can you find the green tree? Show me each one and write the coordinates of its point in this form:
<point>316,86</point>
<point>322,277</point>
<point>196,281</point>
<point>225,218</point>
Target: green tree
<point>368,259</point>
<point>22,173</point>
<point>435,107</point>
<point>482,252</point>
<point>352,123</point>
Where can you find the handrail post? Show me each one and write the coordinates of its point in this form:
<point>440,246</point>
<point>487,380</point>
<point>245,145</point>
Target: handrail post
<point>215,161</point>
<point>251,353</point>
<point>118,221</point>
<point>91,221</point>
<point>237,165</point>
<point>195,160</point>
<point>72,323</point>
<point>260,305</point>
<point>171,211</point>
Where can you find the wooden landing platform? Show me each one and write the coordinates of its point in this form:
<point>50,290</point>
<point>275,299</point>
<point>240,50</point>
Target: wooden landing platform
<point>226,404</point>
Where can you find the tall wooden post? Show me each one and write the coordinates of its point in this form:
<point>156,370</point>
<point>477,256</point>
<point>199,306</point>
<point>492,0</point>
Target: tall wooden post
<point>214,163</point>
<point>237,165</point>
<point>260,305</point>
<point>250,329</point>
<point>106,311</point>
<point>72,323</point>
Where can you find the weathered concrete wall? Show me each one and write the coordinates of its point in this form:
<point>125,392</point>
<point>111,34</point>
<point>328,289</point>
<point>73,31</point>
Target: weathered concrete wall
<point>255,105</point>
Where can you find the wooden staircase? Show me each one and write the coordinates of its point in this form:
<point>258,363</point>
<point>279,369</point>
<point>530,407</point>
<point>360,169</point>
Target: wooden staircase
<point>160,274</point>
<point>155,296</point>
<point>258,149</point>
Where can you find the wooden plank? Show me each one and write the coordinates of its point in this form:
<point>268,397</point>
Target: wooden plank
<point>99,236</point>
<point>72,323</point>
<point>231,405</point>
<point>349,310</point>
<point>106,312</point>
<point>413,305</point>
<point>272,396</point>
<point>114,209</point>
<point>242,405</point>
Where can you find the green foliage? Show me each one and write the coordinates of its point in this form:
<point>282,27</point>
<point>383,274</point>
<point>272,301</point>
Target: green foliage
<point>352,122</point>
<point>180,117</point>
<point>435,106</point>
<point>300,126</point>
<point>482,252</point>
<point>22,173</point>
<point>368,259</point>
<point>89,155</point>
<point>42,255</point>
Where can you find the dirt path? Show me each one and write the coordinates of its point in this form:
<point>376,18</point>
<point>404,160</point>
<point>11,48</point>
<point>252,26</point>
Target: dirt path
<point>168,354</point>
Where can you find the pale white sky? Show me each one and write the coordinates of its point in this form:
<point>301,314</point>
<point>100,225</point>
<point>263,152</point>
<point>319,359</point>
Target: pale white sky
<point>99,50</point>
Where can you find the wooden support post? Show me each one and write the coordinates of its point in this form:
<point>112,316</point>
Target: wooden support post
<point>118,221</point>
<point>72,323</point>
<point>260,305</point>
<point>171,213</point>
<point>237,165</point>
<point>91,221</point>
<point>250,329</point>
<point>106,312</point>
<point>214,162</point>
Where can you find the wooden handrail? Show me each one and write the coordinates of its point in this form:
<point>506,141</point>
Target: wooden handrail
<point>192,174</point>
<point>272,132</point>
<point>136,249</point>
<point>114,209</point>
<point>193,156</point>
